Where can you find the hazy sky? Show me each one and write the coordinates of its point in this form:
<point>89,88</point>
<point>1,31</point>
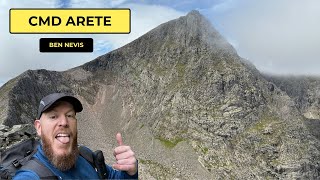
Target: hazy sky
<point>277,36</point>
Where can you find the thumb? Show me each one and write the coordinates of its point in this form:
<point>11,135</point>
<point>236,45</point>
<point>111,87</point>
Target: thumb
<point>119,139</point>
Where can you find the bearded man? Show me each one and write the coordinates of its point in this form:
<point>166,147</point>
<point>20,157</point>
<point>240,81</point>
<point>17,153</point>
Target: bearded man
<point>56,125</point>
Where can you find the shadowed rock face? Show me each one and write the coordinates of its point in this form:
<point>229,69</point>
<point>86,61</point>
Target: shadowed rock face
<point>188,105</point>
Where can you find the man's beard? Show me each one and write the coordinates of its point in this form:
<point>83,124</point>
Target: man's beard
<point>62,162</point>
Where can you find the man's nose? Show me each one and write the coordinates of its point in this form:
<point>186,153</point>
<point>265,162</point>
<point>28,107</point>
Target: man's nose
<point>63,121</point>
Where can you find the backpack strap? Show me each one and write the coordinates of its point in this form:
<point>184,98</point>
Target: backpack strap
<point>100,165</point>
<point>96,159</point>
<point>86,154</point>
<point>35,165</point>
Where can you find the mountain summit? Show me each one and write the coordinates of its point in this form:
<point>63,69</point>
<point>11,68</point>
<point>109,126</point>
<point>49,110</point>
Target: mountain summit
<point>186,102</point>
<point>190,31</point>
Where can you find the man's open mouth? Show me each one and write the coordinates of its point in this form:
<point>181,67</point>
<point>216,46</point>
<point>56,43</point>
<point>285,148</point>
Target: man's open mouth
<point>63,138</point>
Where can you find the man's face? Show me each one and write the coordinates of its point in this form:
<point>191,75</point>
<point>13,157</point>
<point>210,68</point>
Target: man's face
<point>58,131</point>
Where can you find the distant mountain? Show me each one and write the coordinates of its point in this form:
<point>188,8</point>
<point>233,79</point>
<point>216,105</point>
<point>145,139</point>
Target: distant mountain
<point>190,107</point>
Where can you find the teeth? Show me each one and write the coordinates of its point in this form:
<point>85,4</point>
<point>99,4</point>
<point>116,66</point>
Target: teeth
<point>62,135</point>
<point>63,138</point>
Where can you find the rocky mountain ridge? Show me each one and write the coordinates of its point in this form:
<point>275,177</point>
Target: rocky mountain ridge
<point>305,91</point>
<point>187,103</point>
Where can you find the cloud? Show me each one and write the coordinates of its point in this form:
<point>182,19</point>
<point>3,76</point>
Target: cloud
<point>21,51</point>
<point>63,3</point>
<point>280,37</point>
<point>223,6</point>
<point>115,3</point>
<point>143,19</point>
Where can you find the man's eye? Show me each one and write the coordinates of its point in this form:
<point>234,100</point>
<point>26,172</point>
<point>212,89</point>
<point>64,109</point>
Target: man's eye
<point>70,115</point>
<point>53,117</point>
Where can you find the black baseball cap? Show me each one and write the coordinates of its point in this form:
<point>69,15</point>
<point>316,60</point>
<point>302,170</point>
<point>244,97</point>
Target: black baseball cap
<point>50,99</point>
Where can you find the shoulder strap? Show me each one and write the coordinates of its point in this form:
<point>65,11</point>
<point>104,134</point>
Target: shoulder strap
<point>96,159</point>
<point>100,165</point>
<point>86,154</point>
<point>35,165</point>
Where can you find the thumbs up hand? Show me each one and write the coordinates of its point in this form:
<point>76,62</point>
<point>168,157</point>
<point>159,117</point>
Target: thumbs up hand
<point>125,158</point>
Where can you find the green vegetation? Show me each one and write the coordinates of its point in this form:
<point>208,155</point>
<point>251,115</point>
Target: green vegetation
<point>181,68</point>
<point>275,162</point>
<point>217,162</point>
<point>266,120</point>
<point>175,84</point>
<point>168,143</point>
<point>143,161</point>
<point>177,81</point>
<point>160,71</point>
<point>205,150</point>
<point>200,148</point>
<point>158,170</point>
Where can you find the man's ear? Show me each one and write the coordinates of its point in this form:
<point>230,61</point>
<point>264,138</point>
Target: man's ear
<point>37,125</point>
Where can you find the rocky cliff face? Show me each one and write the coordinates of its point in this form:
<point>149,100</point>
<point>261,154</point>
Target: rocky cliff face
<point>186,102</point>
<point>305,92</point>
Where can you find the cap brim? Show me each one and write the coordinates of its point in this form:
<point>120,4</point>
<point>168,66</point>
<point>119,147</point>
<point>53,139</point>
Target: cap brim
<point>72,100</point>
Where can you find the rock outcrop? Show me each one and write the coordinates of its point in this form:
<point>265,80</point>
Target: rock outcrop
<point>189,106</point>
<point>15,134</point>
<point>305,92</point>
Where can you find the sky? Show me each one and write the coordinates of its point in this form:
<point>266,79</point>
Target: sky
<point>278,36</point>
